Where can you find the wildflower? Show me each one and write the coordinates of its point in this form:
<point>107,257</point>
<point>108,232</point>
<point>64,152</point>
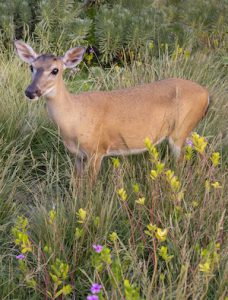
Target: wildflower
<point>205,268</point>
<point>173,181</point>
<point>52,216</point>
<point>187,54</point>
<point>152,149</point>
<point>153,174</point>
<point>161,234</point>
<point>113,236</point>
<point>217,246</point>
<point>92,297</point>
<point>195,204</point>
<point>216,185</point>
<point>151,227</point>
<point>189,142</point>
<point>215,158</point>
<point>20,234</point>
<point>78,232</point>
<point>141,201</point>
<point>96,288</point>
<point>81,214</point>
<point>188,150</point>
<point>122,193</point>
<point>67,289</point>
<point>116,162</point>
<point>20,257</point>
<point>47,249</point>
<point>160,167</point>
<point>151,45</point>
<point>135,187</point>
<point>98,248</point>
<point>163,252</point>
<point>199,142</point>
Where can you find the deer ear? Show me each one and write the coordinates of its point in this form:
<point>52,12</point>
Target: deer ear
<point>25,52</point>
<point>73,57</point>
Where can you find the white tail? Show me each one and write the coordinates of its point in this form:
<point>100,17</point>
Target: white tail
<point>98,124</point>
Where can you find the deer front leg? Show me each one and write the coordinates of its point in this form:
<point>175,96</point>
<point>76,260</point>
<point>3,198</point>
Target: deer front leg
<point>79,165</point>
<point>95,165</point>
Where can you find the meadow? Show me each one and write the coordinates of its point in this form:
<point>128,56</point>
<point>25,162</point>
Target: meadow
<point>149,228</point>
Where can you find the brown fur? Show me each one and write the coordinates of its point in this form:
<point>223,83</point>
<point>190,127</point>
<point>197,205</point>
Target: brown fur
<point>98,124</point>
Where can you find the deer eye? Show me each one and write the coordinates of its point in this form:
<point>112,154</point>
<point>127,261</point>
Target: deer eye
<point>54,71</point>
<point>31,68</point>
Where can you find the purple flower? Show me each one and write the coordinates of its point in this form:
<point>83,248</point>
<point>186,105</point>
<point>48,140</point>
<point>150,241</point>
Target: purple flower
<point>92,297</point>
<point>189,142</point>
<point>95,288</point>
<point>98,248</point>
<point>91,50</point>
<point>20,256</point>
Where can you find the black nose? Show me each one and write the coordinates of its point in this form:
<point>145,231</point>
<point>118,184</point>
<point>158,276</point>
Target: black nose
<point>31,94</point>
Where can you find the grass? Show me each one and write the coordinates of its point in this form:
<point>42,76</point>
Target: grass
<point>36,182</point>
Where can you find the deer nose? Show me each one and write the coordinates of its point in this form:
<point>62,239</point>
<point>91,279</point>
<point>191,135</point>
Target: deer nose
<point>31,93</point>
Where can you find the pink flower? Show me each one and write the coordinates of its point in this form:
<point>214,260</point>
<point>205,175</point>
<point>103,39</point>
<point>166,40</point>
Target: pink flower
<point>20,256</point>
<point>92,297</point>
<point>98,248</point>
<point>189,142</point>
<point>95,288</point>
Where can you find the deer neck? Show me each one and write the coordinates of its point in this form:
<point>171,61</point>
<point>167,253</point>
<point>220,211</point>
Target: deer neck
<point>59,103</point>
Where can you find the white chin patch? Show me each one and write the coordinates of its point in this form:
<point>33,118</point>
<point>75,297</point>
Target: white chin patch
<point>34,99</point>
<point>49,92</point>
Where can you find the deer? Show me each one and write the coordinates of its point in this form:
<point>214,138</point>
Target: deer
<point>96,124</point>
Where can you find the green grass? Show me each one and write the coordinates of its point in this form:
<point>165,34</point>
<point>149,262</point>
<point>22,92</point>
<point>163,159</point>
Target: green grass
<point>36,176</point>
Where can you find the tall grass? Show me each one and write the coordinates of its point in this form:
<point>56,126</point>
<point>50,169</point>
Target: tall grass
<point>36,178</point>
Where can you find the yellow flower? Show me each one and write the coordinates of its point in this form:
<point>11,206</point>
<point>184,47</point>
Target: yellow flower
<point>116,162</point>
<point>195,204</point>
<point>152,149</point>
<point>67,289</point>
<point>215,158</point>
<point>141,201</point>
<point>81,214</point>
<point>161,235</point>
<point>52,216</point>
<point>163,252</point>
<point>173,181</point>
<point>151,45</point>
<point>153,174</point>
<point>216,185</point>
<point>78,233</point>
<point>205,268</point>
<point>199,142</point>
<point>122,193</point>
<point>113,236</point>
<point>135,187</point>
<point>188,152</point>
<point>159,167</point>
<point>151,227</point>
